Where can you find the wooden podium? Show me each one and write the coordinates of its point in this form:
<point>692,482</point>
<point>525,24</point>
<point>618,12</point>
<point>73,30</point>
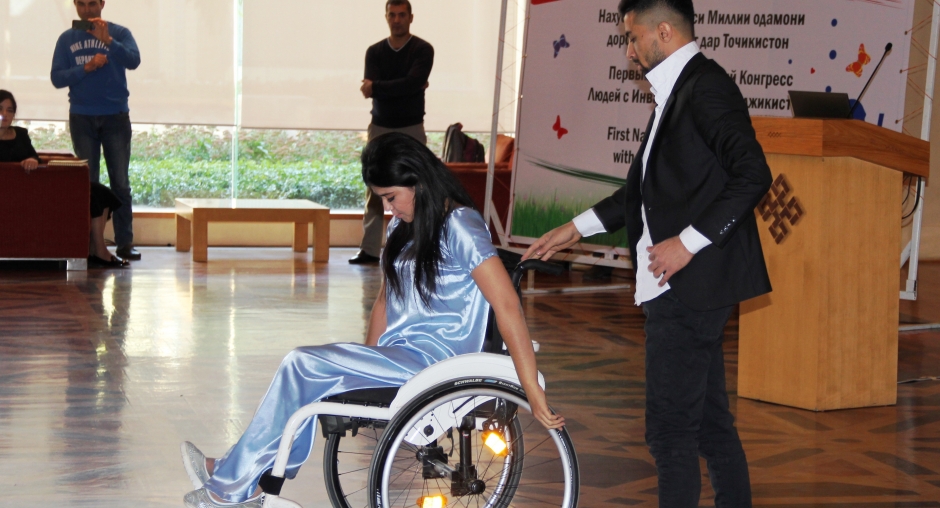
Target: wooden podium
<point>827,336</point>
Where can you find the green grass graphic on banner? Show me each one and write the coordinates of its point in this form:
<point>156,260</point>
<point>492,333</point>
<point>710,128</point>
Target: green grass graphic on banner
<point>580,174</point>
<point>535,217</point>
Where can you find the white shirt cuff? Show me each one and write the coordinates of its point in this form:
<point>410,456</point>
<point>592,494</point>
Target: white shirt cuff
<point>693,240</point>
<point>588,224</point>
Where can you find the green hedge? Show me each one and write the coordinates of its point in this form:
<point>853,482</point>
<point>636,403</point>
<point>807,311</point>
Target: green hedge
<point>158,182</point>
<point>193,161</point>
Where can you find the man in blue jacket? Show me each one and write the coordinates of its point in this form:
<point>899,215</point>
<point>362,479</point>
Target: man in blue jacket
<point>92,64</point>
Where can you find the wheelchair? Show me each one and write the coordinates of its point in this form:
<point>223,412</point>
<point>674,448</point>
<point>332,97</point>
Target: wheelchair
<point>459,433</point>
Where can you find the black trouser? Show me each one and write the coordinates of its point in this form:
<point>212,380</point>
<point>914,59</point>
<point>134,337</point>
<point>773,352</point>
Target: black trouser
<point>687,411</point>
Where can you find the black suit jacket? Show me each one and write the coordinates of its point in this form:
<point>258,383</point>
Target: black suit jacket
<point>705,169</point>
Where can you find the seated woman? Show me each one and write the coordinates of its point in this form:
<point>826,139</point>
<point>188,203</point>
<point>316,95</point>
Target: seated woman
<point>441,274</point>
<point>15,146</point>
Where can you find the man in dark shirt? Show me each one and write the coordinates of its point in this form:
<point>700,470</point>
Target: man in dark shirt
<point>397,70</point>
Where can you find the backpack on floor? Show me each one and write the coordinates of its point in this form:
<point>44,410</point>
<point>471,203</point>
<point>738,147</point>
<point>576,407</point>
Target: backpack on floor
<point>458,147</point>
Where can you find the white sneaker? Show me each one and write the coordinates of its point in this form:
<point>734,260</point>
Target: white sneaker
<point>195,463</point>
<point>200,498</point>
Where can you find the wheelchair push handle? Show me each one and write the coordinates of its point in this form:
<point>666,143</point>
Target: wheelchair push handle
<point>538,266</point>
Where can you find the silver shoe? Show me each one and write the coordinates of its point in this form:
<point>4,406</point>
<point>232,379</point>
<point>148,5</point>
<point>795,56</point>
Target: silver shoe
<point>200,498</point>
<point>195,463</point>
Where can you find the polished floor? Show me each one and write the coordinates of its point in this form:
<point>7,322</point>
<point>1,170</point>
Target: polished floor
<point>103,373</point>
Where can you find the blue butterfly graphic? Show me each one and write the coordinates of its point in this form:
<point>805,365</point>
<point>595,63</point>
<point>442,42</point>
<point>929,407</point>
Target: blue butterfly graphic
<point>560,43</point>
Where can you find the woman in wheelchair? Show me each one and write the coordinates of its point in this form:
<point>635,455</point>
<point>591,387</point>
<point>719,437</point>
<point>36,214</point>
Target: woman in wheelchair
<point>441,276</point>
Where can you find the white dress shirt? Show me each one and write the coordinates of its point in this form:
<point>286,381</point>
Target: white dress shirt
<point>662,80</point>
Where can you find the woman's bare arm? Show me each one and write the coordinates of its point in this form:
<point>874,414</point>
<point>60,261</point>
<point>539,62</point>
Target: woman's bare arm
<point>378,323</point>
<point>494,282</point>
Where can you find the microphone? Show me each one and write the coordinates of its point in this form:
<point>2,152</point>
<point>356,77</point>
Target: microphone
<point>859,100</point>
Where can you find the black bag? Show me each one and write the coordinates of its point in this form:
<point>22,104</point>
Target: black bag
<point>458,147</point>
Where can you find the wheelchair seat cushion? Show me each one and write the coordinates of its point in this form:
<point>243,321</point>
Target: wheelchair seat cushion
<point>369,396</point>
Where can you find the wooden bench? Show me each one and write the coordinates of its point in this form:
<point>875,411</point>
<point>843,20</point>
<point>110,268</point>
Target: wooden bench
<point>194,215</point>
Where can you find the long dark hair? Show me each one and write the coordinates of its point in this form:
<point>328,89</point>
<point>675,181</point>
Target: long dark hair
<point>398,160</point>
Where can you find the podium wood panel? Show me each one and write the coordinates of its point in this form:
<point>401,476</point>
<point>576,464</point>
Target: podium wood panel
<point>844,138</point>
<point>826,337</point>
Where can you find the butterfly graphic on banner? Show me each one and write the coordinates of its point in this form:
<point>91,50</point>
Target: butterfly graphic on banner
<point>858,66</point>
<point>560,43</point>
<point>558,128</point>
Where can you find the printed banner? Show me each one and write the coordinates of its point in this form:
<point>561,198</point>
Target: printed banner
<point>584,108</point>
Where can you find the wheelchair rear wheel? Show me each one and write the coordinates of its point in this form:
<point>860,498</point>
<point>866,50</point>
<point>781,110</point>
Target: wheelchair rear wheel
<point>472,443</point>
<point>346,461</point>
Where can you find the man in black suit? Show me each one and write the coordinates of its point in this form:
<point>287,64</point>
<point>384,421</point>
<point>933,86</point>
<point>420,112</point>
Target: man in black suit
<point>688,206</point>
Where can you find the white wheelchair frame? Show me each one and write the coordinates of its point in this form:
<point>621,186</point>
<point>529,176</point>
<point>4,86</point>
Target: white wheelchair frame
<point>474,366</point>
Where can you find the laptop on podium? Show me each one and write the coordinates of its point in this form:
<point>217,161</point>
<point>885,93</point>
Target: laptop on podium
<point>819,104</point>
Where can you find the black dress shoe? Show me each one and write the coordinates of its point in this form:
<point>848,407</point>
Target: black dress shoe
<point>128,253</point>
<point>114,262</point>
<point>363,259</point>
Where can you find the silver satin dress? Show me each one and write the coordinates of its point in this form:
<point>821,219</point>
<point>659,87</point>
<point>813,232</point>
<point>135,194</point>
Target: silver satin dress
<point>417,337</point>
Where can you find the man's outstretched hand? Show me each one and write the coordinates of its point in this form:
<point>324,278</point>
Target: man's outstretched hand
<point>555,240</point>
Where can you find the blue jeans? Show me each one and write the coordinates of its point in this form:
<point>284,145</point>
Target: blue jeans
<point>687,412</point>
<point>113,133</point>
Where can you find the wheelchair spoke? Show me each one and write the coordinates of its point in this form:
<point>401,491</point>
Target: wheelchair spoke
<point>519,496</point>
<point>346,465</point>
<point>406,459</point>
<point>407,492</point>
<point>532,449</point>
<point>355,492</point>
<point>404,470</point>
<point>549,461</point>
<point>361,469</point>
<point>355,453</point>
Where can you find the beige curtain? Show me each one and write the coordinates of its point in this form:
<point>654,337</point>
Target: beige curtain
<point>186,48</point>
<point>303,61</point>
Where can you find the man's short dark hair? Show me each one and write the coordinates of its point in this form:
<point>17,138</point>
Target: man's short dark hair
<point>398,2</point>
<point>683,8</point>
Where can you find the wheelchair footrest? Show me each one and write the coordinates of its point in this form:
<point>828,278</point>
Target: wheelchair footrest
<point>270,484</point>
<point>279,502</point>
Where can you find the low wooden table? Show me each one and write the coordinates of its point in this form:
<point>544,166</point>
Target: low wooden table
<point>194,215</point>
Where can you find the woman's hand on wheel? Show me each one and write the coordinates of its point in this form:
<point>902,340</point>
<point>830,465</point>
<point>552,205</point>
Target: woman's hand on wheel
<point>30,164</point>
<point>544,415</point>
